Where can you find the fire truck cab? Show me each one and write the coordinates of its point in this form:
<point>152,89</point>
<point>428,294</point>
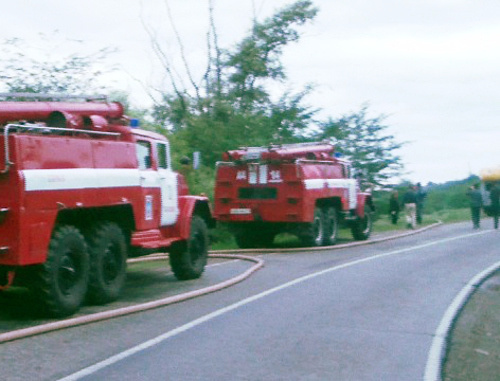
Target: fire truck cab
<point>303,189</point>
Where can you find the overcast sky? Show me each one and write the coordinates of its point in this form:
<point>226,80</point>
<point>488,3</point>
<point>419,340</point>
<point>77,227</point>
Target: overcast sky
<point>431,66</point>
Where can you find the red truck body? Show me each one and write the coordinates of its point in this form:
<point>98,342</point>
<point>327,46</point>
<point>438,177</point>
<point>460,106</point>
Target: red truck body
<point>299,188</point>
<point>79,168</point>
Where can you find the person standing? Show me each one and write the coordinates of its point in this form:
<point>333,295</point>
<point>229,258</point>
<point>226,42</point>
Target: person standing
<point>495,207</point>
<point>394,207</point>
<point>410,205</point>
<point>420,202</point>
<point>475,202</point>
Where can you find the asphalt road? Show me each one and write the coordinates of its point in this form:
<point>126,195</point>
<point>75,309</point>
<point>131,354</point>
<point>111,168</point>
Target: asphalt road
<point>364,313</point>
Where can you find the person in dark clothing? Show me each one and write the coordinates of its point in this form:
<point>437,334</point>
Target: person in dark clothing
<point>410,205</point>
<point>420,202</point>
<point>475,202</point>
<point>495,207</point>
<point>394,207</point>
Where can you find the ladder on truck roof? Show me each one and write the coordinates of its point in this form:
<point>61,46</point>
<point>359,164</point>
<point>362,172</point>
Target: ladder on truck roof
<point>290,152</point>
<point>53,97</point>
<point>271,146</point>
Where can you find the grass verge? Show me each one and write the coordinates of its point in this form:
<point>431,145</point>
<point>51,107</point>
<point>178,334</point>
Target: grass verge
<point>472,352</point>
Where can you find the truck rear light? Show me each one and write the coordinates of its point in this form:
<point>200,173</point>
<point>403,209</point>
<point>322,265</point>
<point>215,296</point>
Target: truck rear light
<point>3,214</point>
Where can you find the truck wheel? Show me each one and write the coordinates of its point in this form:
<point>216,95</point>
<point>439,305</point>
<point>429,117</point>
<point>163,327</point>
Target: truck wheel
<point>362,227</point>
<point>331,226</point>
<point>314,232</point>
<point>62,280</point>
<point>188,259</point>
<point>108,262</point>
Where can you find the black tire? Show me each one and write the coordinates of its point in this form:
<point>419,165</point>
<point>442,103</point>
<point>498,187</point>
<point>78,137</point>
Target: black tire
<point>108,262</point>
<point>313,233</point>
<point>188,259</point>
<point>362,227</point>
<point>61,282</point>
<point>331,226</point>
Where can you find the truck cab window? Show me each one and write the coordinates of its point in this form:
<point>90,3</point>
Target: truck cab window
<point>162,149</point>
<point>144,155</point>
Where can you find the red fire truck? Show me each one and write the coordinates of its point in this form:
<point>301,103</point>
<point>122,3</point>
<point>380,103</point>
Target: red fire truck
<point>81,190</point>
<point>303,189</point>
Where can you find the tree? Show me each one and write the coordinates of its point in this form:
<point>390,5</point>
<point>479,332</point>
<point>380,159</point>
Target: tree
<point>48,70</point>
<point>257,57</point>
<point>363,141</point>
<point>236,108</point>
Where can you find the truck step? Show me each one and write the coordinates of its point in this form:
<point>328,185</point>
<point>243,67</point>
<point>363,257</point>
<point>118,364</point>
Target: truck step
<point>151,239</point>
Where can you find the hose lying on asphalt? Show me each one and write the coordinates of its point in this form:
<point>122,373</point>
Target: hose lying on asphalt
<point>44,328</point>
<point>81,320</point>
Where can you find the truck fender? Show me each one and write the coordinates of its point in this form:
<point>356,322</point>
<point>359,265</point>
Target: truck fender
<point>189,206</point>
<point>363,200</point>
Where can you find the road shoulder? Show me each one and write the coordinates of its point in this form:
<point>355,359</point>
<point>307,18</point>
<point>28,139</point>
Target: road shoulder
<point>472,352</point>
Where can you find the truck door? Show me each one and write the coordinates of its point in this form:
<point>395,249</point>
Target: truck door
<point>168,185</point>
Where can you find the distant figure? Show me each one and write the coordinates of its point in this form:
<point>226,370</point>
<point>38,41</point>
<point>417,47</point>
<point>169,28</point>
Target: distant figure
<point>186,167</point>
<point>394,207</point>
<point>420,202</point>
<point>475,202</point>
<point>495,207</point>
<point>410,205</point>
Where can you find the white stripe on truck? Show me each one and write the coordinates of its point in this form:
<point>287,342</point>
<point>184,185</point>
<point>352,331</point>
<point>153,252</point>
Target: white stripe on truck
<point>84,178</point>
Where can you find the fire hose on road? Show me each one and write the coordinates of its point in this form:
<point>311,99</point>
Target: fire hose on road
<point>223,254</point>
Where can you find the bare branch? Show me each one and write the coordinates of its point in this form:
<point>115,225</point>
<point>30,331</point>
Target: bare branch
<point>162,57</point>
<point>218,65</point>
<point>181,48</point>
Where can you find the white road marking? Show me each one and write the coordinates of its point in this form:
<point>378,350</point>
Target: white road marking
<point>433,367</point>
<point>194,323</point>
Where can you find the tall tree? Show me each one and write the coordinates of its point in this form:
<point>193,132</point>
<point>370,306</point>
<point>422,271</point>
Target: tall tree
<point>364,141</point>
<point>236,108</point>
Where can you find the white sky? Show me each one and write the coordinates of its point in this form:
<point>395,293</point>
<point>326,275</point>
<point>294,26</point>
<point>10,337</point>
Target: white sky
<point>431,66</point>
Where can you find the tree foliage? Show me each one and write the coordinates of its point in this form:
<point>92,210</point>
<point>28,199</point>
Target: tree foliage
<point>364,141</point>
<point>236,108</point>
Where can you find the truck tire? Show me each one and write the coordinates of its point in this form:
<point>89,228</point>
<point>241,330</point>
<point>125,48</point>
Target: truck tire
<point>313,232</point>
<point>331,226</point>
<point>188,259</point>
<point>62,281</point>
<point>362,227</point>
<point>108,262</point>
